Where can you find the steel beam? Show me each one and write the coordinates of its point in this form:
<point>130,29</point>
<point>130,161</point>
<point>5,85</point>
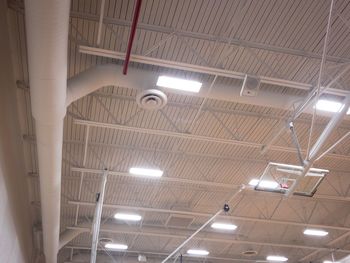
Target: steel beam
<point>201,214</point>
<point>331,243</point>
<point>157,232</point>
<point>317,147</point>
<point>163,178</point>
<point>202,69</point>
<point>333,146</point>
<point>212,38</point>
<point>311,97</point>
<point>210,184</point>
<point>192,137</point>
<point>156,253</point>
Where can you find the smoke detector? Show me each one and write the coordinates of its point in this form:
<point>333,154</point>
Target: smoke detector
<point>151,99</point>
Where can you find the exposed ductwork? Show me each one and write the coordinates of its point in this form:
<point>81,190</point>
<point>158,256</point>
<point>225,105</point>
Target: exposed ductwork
<point>47,41</point>
<point>111,74</point>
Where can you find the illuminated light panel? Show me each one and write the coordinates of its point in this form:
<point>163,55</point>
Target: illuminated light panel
<point>146,172</point>
<point>315,232</point>
<point>264,183</point>
<point>328,261</point>
<point>179,84</point>
<point>223,226</point>
<point>276,258</point>
<point>330,106</point>
<point>198,252</point>
<point>127,217</point>
<point>116,246</point>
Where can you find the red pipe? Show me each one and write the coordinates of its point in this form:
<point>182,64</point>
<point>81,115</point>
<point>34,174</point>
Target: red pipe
<point>132,35</point>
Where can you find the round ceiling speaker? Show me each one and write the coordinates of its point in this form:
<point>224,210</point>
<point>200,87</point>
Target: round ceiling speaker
<point>249,253</point>
<point>151,99</point>
<point>105,240</point>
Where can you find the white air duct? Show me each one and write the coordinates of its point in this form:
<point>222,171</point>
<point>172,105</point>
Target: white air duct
<point>110,74</point>
<point>47,41</point>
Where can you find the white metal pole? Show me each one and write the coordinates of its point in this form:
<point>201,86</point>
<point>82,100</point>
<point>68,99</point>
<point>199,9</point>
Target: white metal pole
<point>333,146</point>
<point>314,152</point>
<point>82,173</point>
<point>97,217</point>
<point>100,23</point>
<point>323,61</point>
<point>191,236</point>
<point>203,226</point>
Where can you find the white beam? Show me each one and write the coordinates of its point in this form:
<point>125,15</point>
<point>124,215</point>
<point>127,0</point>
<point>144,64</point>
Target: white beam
<point>193,137</point>
<point>163,178</point>
<point>201,214</point>
<point>193,68</point>
<point>331,243</point>
<point>209,184</point>
<point>213,38</point>
<point>183,234</point>
<point>155,253</point>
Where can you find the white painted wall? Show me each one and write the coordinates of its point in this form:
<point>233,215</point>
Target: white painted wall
<point>15,222</point>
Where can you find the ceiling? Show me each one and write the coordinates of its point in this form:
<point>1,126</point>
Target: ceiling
<point>279,39</point>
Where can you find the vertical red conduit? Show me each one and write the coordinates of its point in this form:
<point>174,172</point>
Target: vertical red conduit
<point>132,35</point>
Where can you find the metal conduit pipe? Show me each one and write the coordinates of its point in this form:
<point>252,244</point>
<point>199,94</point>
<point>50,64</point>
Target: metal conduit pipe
<point>47,41</point>
<point>132,35</point>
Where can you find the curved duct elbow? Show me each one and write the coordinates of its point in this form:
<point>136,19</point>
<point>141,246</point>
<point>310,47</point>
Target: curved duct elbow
<point>68,235</point>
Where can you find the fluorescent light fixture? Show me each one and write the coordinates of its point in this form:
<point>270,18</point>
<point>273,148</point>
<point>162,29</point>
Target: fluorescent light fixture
<point>328,261</point>
<point>198,252</point>
<point>315,232</point>
<point>263,183</point>
<point>223,226</point>
<point>116,246</point>
<point>127,217</point>
<point>179,84</point>
<point>276,258</point>
<point>146,172</point>
<point>330,106</point>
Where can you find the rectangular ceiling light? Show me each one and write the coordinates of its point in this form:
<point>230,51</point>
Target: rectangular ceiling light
<point>328,261</point>
<point>197,252</point>
<point>179,84</point>
<point>263,183</point>
<point>146,172</point>
<point>223,226</point>
<point>116,246</point>
<point>315,232</point>
<point>127,217</point>
<point>330,106</point>
<point>276,258</point>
